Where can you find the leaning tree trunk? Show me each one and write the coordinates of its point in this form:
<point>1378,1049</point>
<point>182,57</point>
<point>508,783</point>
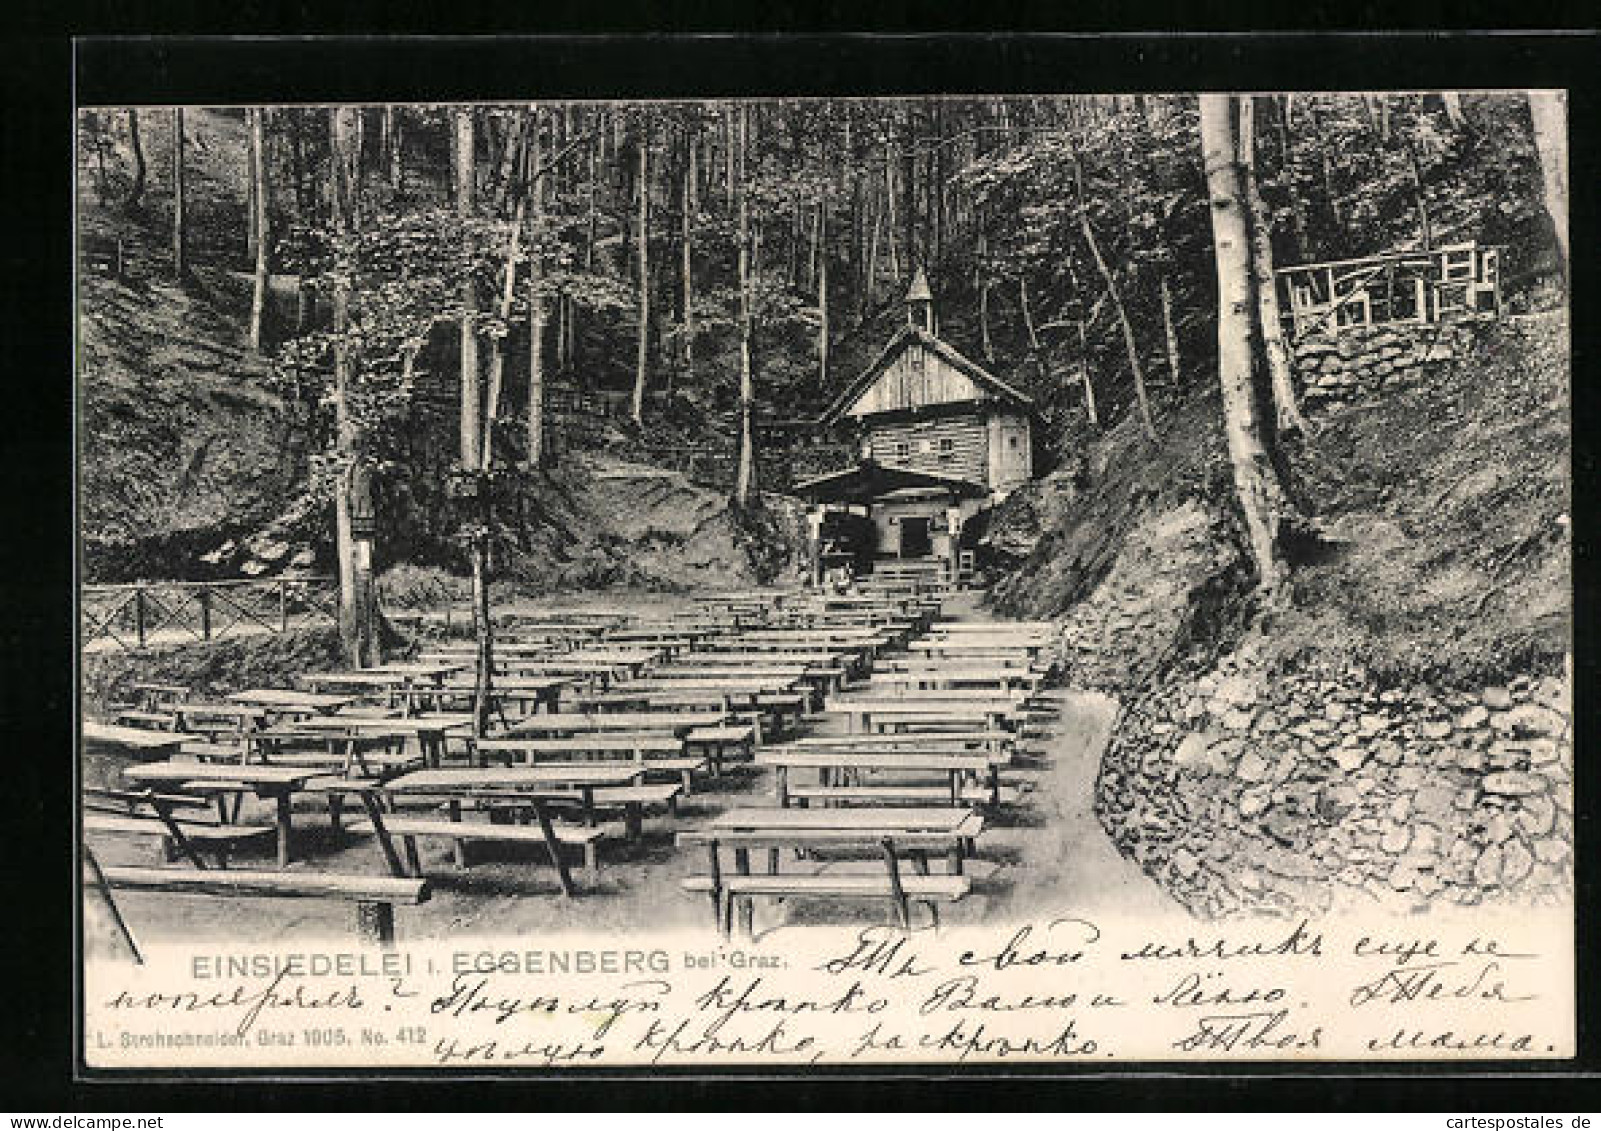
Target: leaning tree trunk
<point>1286,409</point>
<point>258,179</point>
<point>1256,484</point>
<point>745,479</point>
<point>1117,305</point>
<point>1090,410</point>
<point>179,264</point>
<point>1548,110</point>
<point>822,293</point>
<point>136,191</point>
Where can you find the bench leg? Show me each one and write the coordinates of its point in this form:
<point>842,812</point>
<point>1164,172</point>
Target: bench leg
<point>459,850</point>
<point>747,906</point>
<point>592,861</point>
<point>375,923</point>
<point>563,877</point>
<point>283,830</point>
<point>634,822</point>
<point>413,861</point>
<point>336,805</point>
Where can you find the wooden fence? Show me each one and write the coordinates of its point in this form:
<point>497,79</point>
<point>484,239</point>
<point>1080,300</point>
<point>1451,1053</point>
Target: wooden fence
<point>144,613</point>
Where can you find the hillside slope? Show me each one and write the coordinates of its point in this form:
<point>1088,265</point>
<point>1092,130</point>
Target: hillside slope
<point>1400,735</point>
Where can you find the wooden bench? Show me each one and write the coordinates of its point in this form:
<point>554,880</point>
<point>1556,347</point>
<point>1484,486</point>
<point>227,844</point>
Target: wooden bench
<point>375,896</point>
<point>408,829</point>
<point>903,890</point>
<point>633,800</point>
<point>150,814</point>
<point>971,776</point>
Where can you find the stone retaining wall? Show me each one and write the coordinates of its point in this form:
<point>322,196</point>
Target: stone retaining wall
<point>1361,362</point>
<point>1304,793</point>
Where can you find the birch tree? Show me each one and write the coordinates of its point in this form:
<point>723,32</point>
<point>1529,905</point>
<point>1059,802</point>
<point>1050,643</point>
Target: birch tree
<point>1548,109</point>
<point>179,261</point>
<point>1256,484</point>
<point>259,222</point>
<point>1286,410</point>
<point>136,190</point>
<point>745,479</point>
<point>642,350</point>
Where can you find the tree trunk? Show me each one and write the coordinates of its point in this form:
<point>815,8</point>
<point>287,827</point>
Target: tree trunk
<point>1117,304</point>
<point>981,269</point>
<point>536,310</point>
<point>180,266</point>
<point>258,178</point>
<point>394,149</point>
<point>1171,333</point>
<point>358,622</point>
<point>136,191</point>
<point>1425,228</point>
<point>471,392</point>
<point>1028,311</point>
<point>642,353</point>
<point>822,294</point>
<point>1090,410</point>
<point>1256,483</point>
<point>745,479</point>
<point>686,251</point>
<point>1286,410</point>
<point>1453,109</point>
<point>1548,111</point>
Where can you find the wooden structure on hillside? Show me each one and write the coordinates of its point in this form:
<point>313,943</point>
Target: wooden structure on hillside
<point>1419,287</point>
<point>940,439</point>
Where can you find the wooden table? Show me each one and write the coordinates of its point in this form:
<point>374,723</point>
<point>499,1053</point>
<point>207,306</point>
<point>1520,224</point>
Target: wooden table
<point>831,764</point>
<point>163,743</point>
<point>286,701</point>
<point>945,707</point>
<point>569,780</point>
<point>430,731</point>
<point>571,722</point>
<point>277,783</point>
<point>886,830</point>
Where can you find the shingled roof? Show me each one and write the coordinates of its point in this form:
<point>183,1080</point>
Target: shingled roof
<point>909,335</point>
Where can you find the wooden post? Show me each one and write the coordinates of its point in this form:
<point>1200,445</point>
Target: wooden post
<point>375,923</point>
<point>205,613</point>
<point>139,614</point>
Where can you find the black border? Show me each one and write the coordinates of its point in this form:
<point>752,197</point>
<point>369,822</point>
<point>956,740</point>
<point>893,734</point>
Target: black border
<point>35,147</point>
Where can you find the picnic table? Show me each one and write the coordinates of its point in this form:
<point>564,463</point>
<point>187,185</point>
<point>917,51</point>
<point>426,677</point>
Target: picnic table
<point>991,709</point>
<point>287,701</point>
<point>550,781</point>
<point>240,716</point>
<point>429,730</point>
<point>840,772</point>
<point>785,832</point>
<point>154,695</point>
<point>161,743</point>
<point>275,783</point>
<point>573,722</point>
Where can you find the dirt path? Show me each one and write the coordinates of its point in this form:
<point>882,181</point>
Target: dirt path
<point>1066,861</point>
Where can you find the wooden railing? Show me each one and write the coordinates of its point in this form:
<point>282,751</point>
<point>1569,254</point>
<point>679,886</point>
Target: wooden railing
<point>145,613</point>
<point>1419,287</point>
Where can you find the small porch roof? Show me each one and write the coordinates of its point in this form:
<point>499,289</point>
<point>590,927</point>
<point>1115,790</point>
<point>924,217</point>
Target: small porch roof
<point>870,480</point>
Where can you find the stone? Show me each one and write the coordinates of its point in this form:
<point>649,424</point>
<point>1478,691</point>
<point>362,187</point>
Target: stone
<point>1396,839</point>
<point>1334,711</point>
<point>1185,864</point>
<point>1435,729</point>
<point>1336,802</point>
<point>1350,758</point>
<point>1499,828</point>
<point>1400,809</point>
<point>1487,870</point>
<point>1370,725</point>
<point>1282,825</point>
<point>1195,752</point>
<point>1237,719</point>
<point>1496,698</point>
<point>1551,850</point>
<point>1473,718</point>
<point>1253,803</point>
<point>1252,767</point>
<point>1536,815</point>
<point>1527,720</point>
<point>1514,783</point>
<point>1516,863</point>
